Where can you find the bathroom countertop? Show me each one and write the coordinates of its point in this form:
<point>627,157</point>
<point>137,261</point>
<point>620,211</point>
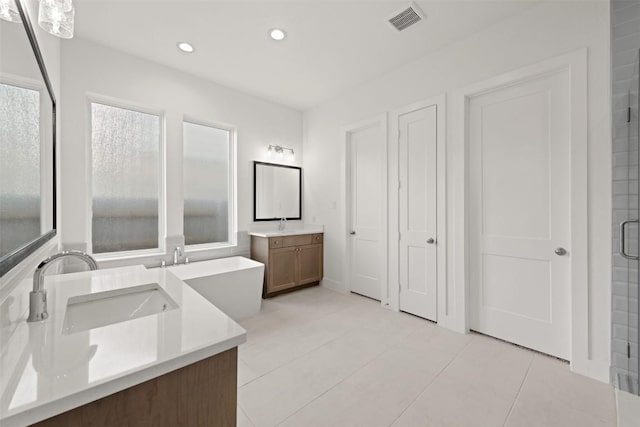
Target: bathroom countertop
<point>283,233</point>
<point>44,372</point>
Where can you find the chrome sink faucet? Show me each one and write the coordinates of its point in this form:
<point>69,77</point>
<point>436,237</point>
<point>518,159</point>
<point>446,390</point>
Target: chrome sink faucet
<point>283,224</point>
<point>38,297</point>
<point>177,253</point>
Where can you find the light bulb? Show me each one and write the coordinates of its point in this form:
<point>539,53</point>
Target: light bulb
<point>185,47</point>
<point>277,34</point>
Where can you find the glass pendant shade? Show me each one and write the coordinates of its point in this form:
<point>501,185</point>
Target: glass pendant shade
<point>9,11</point>
<point>64,5</point>
<point>56,17</point>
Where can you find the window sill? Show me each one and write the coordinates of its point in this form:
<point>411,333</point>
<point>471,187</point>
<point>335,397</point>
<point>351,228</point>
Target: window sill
<point>197,249</point>
<point>132,255</point>
<point>154,258</point>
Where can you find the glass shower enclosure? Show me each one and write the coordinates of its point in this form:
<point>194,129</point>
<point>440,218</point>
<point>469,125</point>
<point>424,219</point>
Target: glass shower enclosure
<point>626,303</point>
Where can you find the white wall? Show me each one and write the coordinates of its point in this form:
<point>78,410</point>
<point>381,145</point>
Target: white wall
<point>541,32</point>
<point>90,67</point>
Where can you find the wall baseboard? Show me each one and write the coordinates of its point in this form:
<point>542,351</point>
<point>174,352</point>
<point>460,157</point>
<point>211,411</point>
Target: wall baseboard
<point>334,285</point>
<point>594,369</point>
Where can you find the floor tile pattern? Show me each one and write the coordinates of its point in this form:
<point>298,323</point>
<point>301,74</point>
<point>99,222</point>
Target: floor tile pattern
<point>321,358</point>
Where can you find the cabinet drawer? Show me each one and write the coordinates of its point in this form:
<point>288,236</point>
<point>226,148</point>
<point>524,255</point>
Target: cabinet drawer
<point>304,239</point>
<point>275,242</point>
<point>318,238</point>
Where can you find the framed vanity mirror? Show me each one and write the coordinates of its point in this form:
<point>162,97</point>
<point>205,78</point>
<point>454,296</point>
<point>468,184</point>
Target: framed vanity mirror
<point>277,192</point>
<point>27,144</point>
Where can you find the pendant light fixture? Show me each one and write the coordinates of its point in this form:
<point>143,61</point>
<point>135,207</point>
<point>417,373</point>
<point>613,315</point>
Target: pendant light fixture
<point>56,17</point>
<point>9,11</point>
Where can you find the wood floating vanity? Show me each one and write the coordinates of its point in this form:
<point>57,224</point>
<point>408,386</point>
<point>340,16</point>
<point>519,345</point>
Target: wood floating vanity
<point>293,260</point>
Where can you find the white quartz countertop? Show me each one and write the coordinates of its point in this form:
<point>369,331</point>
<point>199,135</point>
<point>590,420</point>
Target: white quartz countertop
<point>44,372</point>
<point>283,233</point>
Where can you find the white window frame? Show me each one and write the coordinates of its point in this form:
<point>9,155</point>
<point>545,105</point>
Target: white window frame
<point>92,98</point>
<point>232,203</point>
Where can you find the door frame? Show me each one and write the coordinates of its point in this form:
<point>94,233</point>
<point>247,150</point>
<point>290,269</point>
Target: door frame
<point>441,199</point>
<point>575,63</point>
<point>346,131</point>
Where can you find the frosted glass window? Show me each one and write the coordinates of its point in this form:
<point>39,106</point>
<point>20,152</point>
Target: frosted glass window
<point>206,184</point>
<point>126,179</point>
<point>19,167</point>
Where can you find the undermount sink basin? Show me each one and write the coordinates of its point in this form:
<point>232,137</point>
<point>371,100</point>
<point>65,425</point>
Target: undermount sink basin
<point>99,309</point>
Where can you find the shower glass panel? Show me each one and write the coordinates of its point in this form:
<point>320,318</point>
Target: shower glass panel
<point>626,304</point>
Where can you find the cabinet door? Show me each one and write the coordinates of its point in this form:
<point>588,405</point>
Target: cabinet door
<point>282,269</point>
<point>310,264</point>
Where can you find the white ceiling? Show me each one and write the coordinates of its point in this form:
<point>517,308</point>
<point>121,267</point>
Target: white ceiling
<point>331,45</point>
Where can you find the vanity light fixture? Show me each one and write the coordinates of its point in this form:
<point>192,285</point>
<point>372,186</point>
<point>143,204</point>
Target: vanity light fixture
<point>9,11</point>
<point>277,34</point>
<point>279,150</point>
<point>57,17</point>
<point>185,47</point>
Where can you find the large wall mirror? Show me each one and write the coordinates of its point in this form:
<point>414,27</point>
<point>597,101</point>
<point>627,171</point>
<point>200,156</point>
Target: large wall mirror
<point>27,145</point>
<point>277,192</point>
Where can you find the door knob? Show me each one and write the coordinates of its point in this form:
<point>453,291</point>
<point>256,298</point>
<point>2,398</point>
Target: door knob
<point>560,251</point>
<point>431,240</point>
<point>353,233</point>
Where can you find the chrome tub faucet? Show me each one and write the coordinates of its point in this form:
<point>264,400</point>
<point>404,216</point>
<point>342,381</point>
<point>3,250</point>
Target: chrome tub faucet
<point>177,253</point>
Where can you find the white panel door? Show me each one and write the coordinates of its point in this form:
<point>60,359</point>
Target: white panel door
<point>519,218</point>
<point>366,183</point>
<point>417,148</point>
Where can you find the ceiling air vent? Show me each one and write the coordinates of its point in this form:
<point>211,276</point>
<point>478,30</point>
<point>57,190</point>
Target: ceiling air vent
<point>407,17</point>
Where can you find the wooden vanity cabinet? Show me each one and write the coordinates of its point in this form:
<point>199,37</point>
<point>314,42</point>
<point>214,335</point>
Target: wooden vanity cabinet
<point>291,262</point>
<point>201,394</point>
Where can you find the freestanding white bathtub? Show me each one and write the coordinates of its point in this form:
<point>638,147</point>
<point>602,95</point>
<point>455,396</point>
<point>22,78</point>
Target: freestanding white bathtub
<point>234,284</point>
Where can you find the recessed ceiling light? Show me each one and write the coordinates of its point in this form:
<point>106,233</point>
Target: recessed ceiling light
<point>185,47</point>
<point>277,34</point>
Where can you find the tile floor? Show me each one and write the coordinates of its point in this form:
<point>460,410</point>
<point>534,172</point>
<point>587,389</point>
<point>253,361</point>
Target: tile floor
<point>320,358</point>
